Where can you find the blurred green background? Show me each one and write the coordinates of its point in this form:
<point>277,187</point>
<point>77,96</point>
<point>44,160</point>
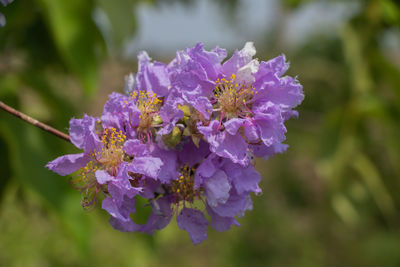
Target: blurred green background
<point>331,200</point>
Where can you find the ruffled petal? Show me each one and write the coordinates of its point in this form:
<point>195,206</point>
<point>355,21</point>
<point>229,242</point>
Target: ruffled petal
<point>233,125</point>
<point>103,177</point>
<point>152,77</point>
<point>194,222</point>
<point>67,164</point>
<point>216,188</point>
<point>148,166</point>
<point>220,223</point>
<point>124,226</point>
<point>159,217</point>
<point>245,179</point>
<point>82,133</point>
<point>133,147</point>
<point>235,205</point>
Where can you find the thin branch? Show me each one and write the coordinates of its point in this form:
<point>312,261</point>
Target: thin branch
<point>32,121</point>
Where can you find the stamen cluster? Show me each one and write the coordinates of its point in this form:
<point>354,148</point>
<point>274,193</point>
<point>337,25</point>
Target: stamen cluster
<point>233,99</point>
<point>183,137</point>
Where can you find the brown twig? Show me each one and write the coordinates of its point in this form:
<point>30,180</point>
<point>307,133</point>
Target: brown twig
<point>32,121</point>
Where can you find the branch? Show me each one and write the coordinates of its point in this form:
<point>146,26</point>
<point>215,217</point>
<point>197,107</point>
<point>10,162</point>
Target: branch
<point>32,121</point>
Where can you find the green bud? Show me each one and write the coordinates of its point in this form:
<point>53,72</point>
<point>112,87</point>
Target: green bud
<point>173,138</point>
<point>185,109</point>
<point>157,120</point>
<point>186,132</point>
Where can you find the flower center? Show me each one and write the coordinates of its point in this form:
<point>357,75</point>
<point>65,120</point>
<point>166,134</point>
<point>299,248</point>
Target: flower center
<point>112,154</point>
<point>183,188</point>
<point>233,99</point>
<point>149,105</point>
<point>109,158</point>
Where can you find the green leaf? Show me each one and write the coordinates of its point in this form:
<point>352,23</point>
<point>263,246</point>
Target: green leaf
<point>373,180</point>
<point>122,19</point>
<point>29,151</point>
<point>77,38</point>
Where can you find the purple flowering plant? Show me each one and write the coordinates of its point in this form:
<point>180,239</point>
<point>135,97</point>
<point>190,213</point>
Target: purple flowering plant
<point>183,136</point>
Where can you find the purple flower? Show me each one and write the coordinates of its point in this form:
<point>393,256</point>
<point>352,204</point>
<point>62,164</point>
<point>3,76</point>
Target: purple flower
<point>247,102</point>
<point>183,137</point>
<point>83,136</point>
<point>152,76</point>
<point>222,185</point>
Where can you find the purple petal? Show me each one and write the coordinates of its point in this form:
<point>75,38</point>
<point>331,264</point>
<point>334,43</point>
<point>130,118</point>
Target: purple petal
<point>194,222</point>
<point>124,226</point>
<point>134,147</point>
<point>170,114</point>
<point>224,144</point>
<point>239,59</point>
<point>210,61</point>
<point>160,216</point>
<point>270,123</point>
<point>168,170</point>
<point>220,223</point>
<point>205,170</point>
<point>277,66</point>
<point>285,91</point>
<point>83,134</point>
<point>244,179</point>
<point>103,177</point>
<point>148,166</point>
<point>152,77</point>
<point>233,125</point>
<point>232,147</point>
<point>216,188</point>
<point>251,131</point>
<point>191,155</point>
<point>68,164</point>
<point>266,152</point>
<point>235,205</point>
<point>116,211</point>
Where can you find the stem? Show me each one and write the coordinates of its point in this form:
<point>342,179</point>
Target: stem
<point>34,122</point>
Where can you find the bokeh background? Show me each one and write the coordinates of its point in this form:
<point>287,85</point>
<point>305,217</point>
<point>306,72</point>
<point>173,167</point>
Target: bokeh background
<point>332,200</point>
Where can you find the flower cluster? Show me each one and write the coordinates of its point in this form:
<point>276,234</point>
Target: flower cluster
<point>183,136</point>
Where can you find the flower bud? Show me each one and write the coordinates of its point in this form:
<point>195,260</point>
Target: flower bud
<point>173,138</point>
